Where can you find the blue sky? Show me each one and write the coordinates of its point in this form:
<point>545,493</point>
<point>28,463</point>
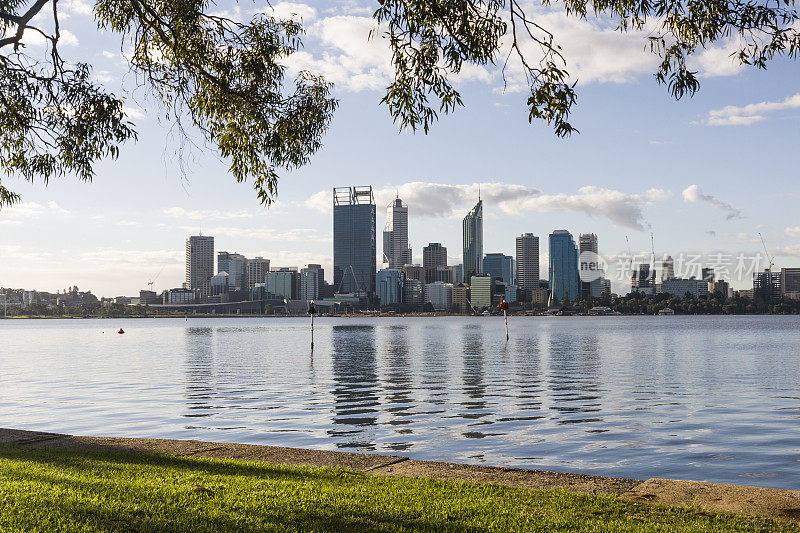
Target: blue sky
<point>704,175</point>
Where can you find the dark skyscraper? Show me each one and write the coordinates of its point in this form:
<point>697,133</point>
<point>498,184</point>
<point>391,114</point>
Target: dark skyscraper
<point>473,242</point>
<point>433,256</point>
<point>354,249</point>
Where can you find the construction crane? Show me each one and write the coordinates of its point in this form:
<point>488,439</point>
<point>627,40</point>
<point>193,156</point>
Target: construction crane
<point>770,259</point>
<point>150,283</point>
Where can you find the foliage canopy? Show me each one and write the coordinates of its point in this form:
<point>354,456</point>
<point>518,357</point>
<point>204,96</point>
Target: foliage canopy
<point>229,77</point>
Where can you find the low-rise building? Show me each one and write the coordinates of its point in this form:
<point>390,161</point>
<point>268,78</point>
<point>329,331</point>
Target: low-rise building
<point>697,288</point>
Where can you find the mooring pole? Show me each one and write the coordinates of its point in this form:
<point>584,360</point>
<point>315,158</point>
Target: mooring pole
<point>504,307</point>
<point>312,310</point>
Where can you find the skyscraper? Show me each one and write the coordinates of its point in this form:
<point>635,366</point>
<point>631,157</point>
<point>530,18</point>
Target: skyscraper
<point>257,270</point>
<point>236,267</point>
<point>395,237</point>
<point>587,244</point>
<point>473,242</point>
<point>528,261</point>
<point>354,250</point>
<point>563,266</point>
<point>199,264</point>
<point>500,266</point>
<point>667,268</point>
<point>433,256</point>
<point>311,279</point>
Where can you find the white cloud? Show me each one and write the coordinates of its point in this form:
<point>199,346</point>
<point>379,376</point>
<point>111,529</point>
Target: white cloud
<point>29,210</point>
<point>692,194</point>
<point>442,200</point>
<point>76,7</point>
<point>793,232</point>
<point>623,209</point>
<point>291,10</point>
<point>133,112</point>
<point>751,113</point>
<point>268,234</point>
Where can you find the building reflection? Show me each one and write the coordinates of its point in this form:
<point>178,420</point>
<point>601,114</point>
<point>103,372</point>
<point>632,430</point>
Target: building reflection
<point>200,387</point>
<point>473,380</point>
<point>356,391</point>
<point>574,377</point>
<point>398,384</point>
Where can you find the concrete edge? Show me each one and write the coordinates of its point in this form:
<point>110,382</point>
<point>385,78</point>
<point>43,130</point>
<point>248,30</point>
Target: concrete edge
<point>717,497</point>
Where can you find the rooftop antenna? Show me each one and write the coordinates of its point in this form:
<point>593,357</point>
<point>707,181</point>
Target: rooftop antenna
<point>479,192</point>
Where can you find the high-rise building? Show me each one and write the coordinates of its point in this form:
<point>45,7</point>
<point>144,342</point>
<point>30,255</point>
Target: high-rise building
<point>389,286</point>
<point>395,237</point>
<point>354,249</point>
<point>564,276</point>
<point>312,278</point>
<point>480,291</point>
<point>644,280</point>
<point>528,261</point>
<point>587,249</point>
<point>236,267</point>
<point>473,242</point>
<point>200,264</point>
<point>499,266</point>
<point>790,283</point>
<point>708,274</point>
<point>414,272</point>
<point>413,292</point>
<point>433,256</point>
<point>461,298</point>
<point>257,270</point>
<point>445,274</point>
<point>766,285</point>
<point>283,283</point>
<point>667,268</point>
<point>440,295</point>
<point>587,242</point>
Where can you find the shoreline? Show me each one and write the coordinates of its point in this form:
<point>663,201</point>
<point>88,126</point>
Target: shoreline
<point>407,315</point>
<point>748,500</point>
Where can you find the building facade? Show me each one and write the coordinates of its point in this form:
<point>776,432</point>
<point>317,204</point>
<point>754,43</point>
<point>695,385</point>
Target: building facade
<point>312,279</point>
<point>257,270</point>
<point>473,242</point>
<point>440,295</point>
<point>480,291</point>
<point>790,283</point>
<point>696,288</point>
<point>433,256</point>
<point>564,276</point>
<point>499,266</point>
<point>396,252</point>
<point>587,250</point>
<point>283,283</point>
<point>200,264</point>
<point>389,286</point>
<point>528,261</point>
<point>461,298</point>
<point>236,267</point>
<point>413,292</point>
<point>354,247</point>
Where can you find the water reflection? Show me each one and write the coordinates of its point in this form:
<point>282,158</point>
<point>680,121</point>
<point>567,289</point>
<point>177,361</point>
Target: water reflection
<point>199,372</point>
<point>356,392</point>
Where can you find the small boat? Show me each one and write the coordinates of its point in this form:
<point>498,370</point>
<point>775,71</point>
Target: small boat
<point>486,313</point>
<point>121,331</point>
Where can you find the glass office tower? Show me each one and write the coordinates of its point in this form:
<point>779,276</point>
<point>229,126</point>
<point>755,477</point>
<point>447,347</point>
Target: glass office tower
<point>473,242</point>
<point>564,275</point>
<point>354,250</point>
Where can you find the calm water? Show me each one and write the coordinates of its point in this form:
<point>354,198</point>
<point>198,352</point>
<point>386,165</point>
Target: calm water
<point>703,398</point>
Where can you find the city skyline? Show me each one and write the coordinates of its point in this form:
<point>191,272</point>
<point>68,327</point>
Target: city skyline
<point>642,162</point>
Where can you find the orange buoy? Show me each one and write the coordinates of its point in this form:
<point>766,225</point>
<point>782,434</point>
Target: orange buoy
<point>121,331</point>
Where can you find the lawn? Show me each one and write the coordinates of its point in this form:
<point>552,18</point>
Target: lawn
<point>53,490</point>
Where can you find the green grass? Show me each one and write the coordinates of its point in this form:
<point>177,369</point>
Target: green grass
<point>50,490</point>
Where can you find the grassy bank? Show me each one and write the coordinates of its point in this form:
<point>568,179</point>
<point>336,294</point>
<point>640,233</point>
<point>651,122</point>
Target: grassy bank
<point>54,490</point>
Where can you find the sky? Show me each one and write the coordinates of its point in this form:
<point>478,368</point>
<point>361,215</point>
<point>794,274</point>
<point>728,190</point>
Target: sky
<point>703,175</point>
